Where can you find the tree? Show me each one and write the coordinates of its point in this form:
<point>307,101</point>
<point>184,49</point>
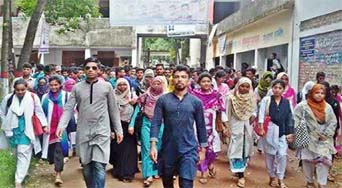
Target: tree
<point>5,48</point>
<point>66,13</point>
<point>25,53</point>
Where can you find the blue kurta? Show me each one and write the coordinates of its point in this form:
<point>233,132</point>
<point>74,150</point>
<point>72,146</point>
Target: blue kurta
<point>179,145</point>
<point>147,163</point>
<point>19,137</point>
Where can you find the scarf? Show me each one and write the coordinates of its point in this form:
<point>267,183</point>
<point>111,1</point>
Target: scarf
<point>289,92</point>
<point>264,86</point>
<point>149,99</point>
<point>243,104</point>
<point>42,89</point>
<point>210,99</point>
<point>147,73</point>
<point>123,97</point>
<point>317,107</point>
<point>69,84</point>
<point>306,89</point>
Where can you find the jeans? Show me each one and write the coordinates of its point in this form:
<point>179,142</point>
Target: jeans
<point>183,183</point>
<point>94,174</point>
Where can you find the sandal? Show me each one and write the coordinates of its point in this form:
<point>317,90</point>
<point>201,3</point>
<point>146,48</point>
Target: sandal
<point>148,183</point>
<point>58,181</point>
<point>282,184</point>
<point>241,182</point>
<point>331,178</point>
<point>212,173</point>
<point>203,180</point>
<point>273,182</point>
<point>310,185</point>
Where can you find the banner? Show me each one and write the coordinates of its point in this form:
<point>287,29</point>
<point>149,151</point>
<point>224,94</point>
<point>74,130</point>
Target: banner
<point>158,12</point>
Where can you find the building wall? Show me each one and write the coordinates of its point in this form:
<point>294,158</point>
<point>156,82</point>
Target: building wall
<point>315,18</point>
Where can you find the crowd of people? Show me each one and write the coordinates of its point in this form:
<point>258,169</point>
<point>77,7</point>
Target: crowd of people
<point>174,120</point>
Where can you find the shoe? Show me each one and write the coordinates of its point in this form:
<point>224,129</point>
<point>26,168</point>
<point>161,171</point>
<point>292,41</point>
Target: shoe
<point>212,172</point>
<point>203,180</point>
<point>241,182</point>
<point>18,185</point>
<point>58,181</point>
<point>273,182</point>
<point>310,185</point>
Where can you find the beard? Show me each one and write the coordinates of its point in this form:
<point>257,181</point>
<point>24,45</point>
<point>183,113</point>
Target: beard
<point>180,87</point>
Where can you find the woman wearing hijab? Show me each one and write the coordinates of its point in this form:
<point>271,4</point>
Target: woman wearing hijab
<point>146,104</point>
<point>211,104</point>
<point>302,96</point>
<point>321,124</point>
<point>42,87</point>
<point>264,86</point>
<point>17,110</point>
<point>146,81</point>
<point>289,93</point>
<point>54,148</point>
<point>241,110</point>
<point>68,85</point>
<point>279,132</point>
<point>124,156</point>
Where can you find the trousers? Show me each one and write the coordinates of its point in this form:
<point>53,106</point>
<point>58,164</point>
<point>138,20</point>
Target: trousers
<point>183,183</point>
<point>94,174</point>
<point>24,154</point>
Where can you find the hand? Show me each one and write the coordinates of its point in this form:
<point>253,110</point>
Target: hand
<point>59,132</point>
<point>131,130</point>
<point>112,135</point>
<point>262,131</point>
<point>45,129</point>
<point>201,155</point>
<point>119,138</point>
<point>290,138</point>
<point>154,154</point>
<point>323,138</point>
<point>227,132</point>
<point>252,119</point>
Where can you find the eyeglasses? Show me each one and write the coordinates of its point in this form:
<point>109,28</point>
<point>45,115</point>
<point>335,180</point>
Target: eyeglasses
<point>90,67</point>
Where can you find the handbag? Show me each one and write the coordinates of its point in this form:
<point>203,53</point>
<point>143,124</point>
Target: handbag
<point>37,125</point>
<point>301,134</point>
<point>267,120</point>
<point>139,120</point>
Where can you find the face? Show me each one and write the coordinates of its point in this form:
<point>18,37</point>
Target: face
<point>140,75</point>
<point>319,95</point>
<point>160,71</point>
<point>73,75</point>
<point>220,80</point>
<point>132,73</point>
<point>121,73</point>
<point>334,93</point>
<point>91,70</point>
<point>20,90</point>
<point>249,75</point>
<point>180,80</point>
<point>122,87</point>
<point>268,80</point>
<point>112,74</point>
<point>156,84</point>
<point>54,86</point>
<point>80,73</point>
<point>27,71</point>
<point>277,90</point>
<point>167,73</point>
<point>194,76</point>
<point>148,80</point>
<point>285,79</point>
<point>244,88</point>
<point>320,79</point>
<point>42,82</point>
<point>205,84</point>
<point>65,74</point>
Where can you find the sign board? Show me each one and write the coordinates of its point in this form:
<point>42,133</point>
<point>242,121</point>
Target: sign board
<point>180,30</point>
<point>44,41</point>
<point>158,12</point>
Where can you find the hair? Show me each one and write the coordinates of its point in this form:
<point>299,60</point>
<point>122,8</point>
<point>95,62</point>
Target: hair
<point>73,70</point>
<point>55,78</point>
<point>220,74</point>
<point>335,88</point>
<point>65,69</point>
<point>204,75</point>
<point>140,69</point>
<point>40,67</point>
<point>180,68</point>
<point>93,60</point>
<point>278,81</point>
<point>27,66</point>
<point>160,65</point>
<point>319,74</point>
<point>274,54</point>
<point>212,71</point>
<point>19,82</point>
<point>249,70</point>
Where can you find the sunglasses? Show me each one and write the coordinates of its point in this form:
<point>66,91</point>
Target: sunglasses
<point>90,67</point>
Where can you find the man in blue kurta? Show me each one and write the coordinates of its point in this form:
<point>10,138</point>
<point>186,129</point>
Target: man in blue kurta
<point>179,151</point>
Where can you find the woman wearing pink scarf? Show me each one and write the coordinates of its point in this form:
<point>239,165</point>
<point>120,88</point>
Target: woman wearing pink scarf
<point>289,93</point>
<point>68,85</point>
<point>146,104</point>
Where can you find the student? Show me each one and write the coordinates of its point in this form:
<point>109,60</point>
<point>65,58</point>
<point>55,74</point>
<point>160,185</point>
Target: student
<point>279,132</point>
<point>17,110</point>
<point>97,107</point>
<point>178,110</point>
<point>146,104</point>
<point>321,123</point>
<point>241,111</point>
<point>211,104</point>
<point>55,149</point>
<point>124,156</point>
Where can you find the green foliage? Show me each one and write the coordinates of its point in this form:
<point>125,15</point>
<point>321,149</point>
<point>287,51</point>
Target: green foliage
<point>7,168</point>
<point>66,13</point>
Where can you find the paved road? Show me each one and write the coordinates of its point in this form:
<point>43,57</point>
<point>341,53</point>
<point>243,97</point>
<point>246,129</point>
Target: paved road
<point>256,176</point>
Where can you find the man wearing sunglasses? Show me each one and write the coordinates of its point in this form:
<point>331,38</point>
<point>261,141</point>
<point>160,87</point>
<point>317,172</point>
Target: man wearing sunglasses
<point>97,108</point>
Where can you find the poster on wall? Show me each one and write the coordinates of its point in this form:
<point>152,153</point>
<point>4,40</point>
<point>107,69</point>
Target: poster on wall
<point>322,52</point>
<point>158,12</point>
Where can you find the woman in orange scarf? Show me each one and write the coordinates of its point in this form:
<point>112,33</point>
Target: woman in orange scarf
<point>321,123</point>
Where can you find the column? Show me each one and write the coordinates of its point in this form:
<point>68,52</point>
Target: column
<point>256,58</point>
<point>87,53</point>
<point>195,52</point>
